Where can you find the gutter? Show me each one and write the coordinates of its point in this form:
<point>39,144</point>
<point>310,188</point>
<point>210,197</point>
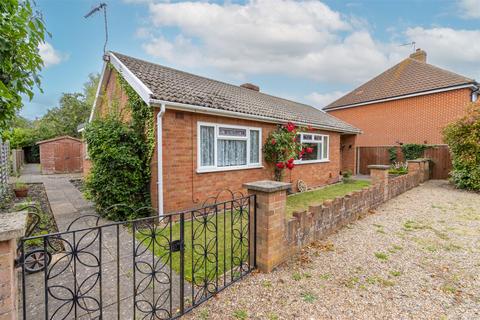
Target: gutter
<point>232,114</point>
<point>160,159</point>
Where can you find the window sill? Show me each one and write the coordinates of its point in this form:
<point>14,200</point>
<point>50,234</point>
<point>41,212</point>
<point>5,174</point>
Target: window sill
<point>311,161</point>
<point>207,170</point>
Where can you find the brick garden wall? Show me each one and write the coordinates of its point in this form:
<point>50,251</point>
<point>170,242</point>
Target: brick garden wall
<point>411,120</point>
<point>320,221</point>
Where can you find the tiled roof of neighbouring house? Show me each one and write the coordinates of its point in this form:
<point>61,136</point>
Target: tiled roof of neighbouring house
<point>177,86</point>
<point>407,77</point>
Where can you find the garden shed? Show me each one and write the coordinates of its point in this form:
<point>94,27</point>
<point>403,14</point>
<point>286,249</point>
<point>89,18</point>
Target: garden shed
<point>61,155</point>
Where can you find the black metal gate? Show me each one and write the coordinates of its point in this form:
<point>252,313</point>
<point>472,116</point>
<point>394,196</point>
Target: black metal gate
<point>149,268</point>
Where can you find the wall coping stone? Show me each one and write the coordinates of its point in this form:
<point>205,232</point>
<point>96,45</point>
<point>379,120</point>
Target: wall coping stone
<point>379,166</point>
<point>417,160</point>
<point>267,186</point>
<point>12,225</point>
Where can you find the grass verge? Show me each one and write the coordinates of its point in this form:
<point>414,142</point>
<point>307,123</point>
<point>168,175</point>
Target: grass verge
<point>301,201</point>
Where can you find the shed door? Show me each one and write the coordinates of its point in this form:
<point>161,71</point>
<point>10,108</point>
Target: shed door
<point>59,154</point>
<point>72,159</point>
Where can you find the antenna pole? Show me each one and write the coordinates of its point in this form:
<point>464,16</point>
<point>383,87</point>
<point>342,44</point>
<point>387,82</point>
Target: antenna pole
<point>101,6</point>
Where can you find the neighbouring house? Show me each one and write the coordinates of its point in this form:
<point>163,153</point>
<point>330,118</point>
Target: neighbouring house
<point>409,103</point>
<point>209,134</point>
<point>61,155</point>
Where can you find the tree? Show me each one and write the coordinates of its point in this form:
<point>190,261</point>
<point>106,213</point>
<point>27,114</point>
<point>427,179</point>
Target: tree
<point>463,139</point>
<point>22,30</point>
<point>64,120</point>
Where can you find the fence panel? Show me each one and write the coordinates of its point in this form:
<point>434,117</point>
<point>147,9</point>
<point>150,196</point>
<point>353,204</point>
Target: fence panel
<point>4,168</point>
<point>439,154</point>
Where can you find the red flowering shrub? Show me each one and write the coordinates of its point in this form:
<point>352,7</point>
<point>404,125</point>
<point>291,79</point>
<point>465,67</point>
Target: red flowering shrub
<point>282,148</point>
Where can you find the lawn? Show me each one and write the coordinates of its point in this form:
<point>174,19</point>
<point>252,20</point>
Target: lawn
<point>301,201</point>
<point>213,232</point>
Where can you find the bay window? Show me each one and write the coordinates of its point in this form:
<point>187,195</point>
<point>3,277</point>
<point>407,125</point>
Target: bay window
<point>319,147</point>
<point>227,147</point>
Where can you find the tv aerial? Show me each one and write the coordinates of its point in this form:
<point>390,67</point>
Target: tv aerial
<point>100,7</point>
<point>410,44</point>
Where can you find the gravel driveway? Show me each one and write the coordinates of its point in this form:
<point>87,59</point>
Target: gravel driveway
<point>416,257</point>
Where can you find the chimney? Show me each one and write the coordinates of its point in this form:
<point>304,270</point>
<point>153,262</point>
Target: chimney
<point>419,55</point>
<point>250,86</point>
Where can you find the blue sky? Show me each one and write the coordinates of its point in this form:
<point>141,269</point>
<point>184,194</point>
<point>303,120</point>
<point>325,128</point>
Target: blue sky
<point>308,51</point>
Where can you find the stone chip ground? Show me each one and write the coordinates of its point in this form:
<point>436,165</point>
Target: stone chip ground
<point>416,257</point>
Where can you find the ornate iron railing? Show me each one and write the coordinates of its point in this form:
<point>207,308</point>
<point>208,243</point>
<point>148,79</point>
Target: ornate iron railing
<point>158,267</point>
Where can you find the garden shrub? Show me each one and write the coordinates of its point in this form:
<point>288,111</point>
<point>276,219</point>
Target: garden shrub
<point>412,151</point>
<point>283,147</point>
<point>117,175</point>
<point>121,152</point>
<point>463,139</point>
<point>392,154</point>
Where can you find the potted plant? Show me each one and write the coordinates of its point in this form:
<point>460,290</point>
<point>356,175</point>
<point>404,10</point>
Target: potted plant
<point>21,190</point>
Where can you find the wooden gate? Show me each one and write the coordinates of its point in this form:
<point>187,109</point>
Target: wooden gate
<point>61,155</point>
<point>439,154</point>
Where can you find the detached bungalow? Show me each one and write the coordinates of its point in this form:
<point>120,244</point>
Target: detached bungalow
<point>209,134</point>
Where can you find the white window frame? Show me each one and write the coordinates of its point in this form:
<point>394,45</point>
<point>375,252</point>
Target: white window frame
<point>215,168</point>
<point>320,150</point>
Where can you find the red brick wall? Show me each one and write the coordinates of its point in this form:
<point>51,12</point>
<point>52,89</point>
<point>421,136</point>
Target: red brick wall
<point>348,152</point>
<point>113,98</point>
<point>411,120</point>
<point>185,188</point>
<point>87,164</point>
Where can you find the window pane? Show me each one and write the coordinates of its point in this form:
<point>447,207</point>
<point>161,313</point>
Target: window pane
<point>254,156</point>
<point>314,154</point>
<point>325,147</point>
<point>231,153</point>
<point>232,132</point>
<point>307,137</point>
<point>207,146</point>
<point>318,138</point>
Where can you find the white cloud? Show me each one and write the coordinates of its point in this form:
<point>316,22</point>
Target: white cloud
<point>469,8</point>
<point>455,50</point>
<point>301,38</point>
<point>49,55</point>
<point>304,39</point>
<point>320,100</point>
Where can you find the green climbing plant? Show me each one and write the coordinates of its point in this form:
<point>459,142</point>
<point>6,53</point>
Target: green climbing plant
<point>121,153</point>
<point>412,151</point>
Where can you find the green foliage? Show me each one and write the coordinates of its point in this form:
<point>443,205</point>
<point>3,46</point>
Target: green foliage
<point>398,168</point>
<point>347,176</point>
<point>412,151</point>
<point>282,148</point>
<point>463,139</point>
<point>121,154</point>
<point>117,176</point>
<point>64,120</point>
<point>392,154</point>
<point>22,31</point>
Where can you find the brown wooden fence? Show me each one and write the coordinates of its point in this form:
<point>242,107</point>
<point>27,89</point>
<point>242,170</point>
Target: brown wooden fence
<point>439,154</point>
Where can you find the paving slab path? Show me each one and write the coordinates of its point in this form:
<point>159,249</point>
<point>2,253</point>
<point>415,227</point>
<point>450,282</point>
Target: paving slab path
<point>75,270</point>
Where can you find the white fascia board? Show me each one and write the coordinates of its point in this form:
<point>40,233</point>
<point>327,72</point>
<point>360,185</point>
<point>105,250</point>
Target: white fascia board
<point>99,90</point>
<point>238,115</point>
<point>140,88</point>
<point>472,86</point>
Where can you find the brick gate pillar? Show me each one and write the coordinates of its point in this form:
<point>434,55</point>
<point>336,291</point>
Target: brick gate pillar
<point>271,215</point>
<point>12,226</point>
<point>379,175</point>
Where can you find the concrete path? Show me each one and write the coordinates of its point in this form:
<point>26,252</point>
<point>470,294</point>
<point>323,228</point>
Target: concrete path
<point>104,256</point>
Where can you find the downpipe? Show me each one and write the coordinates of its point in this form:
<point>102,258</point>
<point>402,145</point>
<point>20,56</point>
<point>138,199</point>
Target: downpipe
<point>160,159</point>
